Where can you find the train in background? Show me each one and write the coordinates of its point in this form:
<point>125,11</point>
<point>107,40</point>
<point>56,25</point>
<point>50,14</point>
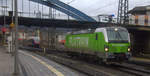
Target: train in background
<point>32,42</point>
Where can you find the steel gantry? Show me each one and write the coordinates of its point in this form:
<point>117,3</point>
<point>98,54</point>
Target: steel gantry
<point>65,8</point>
<point>123,17</point>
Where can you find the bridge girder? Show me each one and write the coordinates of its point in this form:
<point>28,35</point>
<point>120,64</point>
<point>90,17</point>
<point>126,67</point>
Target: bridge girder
<point>58,5</point>
<point>60,9</point>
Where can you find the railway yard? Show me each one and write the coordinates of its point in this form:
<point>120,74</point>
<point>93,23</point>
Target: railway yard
<point>57,64</point>
<point>51,53</point>
<point>74,38</point>
<point>94,68</point>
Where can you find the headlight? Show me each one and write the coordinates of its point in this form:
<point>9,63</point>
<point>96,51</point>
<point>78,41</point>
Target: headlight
<point>129,49</point>
<point>106,49</point>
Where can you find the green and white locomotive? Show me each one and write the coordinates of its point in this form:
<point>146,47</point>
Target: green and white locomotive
<point>111,44</point>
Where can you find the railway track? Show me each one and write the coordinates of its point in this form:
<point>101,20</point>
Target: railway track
<point>132,69</point>
<point>95,69</point>
<point>140,63</point>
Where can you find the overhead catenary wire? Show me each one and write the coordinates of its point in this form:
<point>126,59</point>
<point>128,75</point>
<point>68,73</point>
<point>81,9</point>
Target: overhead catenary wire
<point>68,4</point>
<point>71,1</point>
<point>42,11</point>
<point>6,9</point>
<point>12,10</point>
<point>141,2</point>
<point>29,8</point>
<point>2,3</point>
<point>6,4</point>
<point>2,8</point>
<point>111,4</point>
<point>103,7</point>
<point>22,7</point>
<point>38,6</point>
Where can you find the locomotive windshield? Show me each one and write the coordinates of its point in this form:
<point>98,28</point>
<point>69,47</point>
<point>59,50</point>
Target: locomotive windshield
<point>117,35</point>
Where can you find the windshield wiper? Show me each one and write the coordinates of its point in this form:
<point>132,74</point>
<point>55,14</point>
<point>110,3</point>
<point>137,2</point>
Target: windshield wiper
<point>119,36</point>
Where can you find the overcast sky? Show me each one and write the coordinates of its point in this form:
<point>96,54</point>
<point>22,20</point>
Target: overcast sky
<point>90,7</point>
<point>95,7</point>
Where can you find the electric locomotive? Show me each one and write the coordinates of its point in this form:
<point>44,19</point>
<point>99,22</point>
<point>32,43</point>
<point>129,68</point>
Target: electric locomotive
<point>111,44</point>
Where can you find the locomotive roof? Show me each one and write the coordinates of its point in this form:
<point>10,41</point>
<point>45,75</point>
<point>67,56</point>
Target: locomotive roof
<point>109,28</point>
<point>96,30</point>
<point>84,31</point>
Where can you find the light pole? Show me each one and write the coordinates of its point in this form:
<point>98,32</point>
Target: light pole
<point>16,69</point>
<point>12,36</point>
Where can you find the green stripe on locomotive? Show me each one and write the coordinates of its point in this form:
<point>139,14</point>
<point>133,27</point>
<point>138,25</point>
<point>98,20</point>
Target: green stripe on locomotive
<point>94,42</point>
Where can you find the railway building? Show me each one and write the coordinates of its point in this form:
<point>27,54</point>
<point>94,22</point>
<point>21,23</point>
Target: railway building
<point>140,15</point>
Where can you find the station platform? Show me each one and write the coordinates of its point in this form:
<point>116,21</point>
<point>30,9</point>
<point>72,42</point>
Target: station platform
<point>31,64</point>
<point>35,65</point>
<point>6,62</point>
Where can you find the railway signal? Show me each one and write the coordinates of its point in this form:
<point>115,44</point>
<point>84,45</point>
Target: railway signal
<point>12,25</point>
<point>3,30</point>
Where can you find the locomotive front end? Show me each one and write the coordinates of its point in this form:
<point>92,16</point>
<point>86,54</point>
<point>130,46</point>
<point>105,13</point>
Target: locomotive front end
<point>118,46</point>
